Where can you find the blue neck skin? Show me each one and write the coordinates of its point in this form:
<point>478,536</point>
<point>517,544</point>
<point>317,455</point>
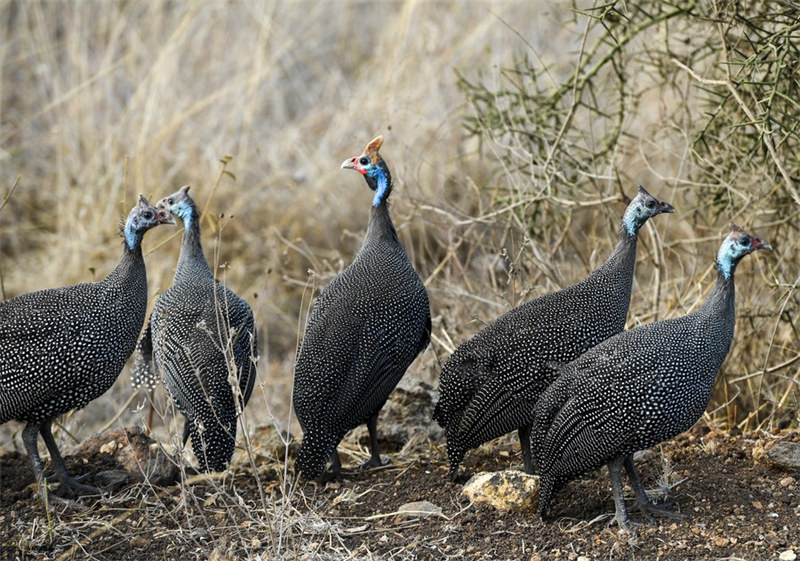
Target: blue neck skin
<point>629,222</point>
<point>130,237</point>
<point>381,187</point>
<point>184,212</point>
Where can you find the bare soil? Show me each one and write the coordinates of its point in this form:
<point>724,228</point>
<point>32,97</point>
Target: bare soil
<point>738,507</point>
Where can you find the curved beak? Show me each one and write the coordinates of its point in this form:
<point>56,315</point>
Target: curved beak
<point>758,243</point>
<point>664,207</point>
<point>352,163</point>
<point>164,217</point>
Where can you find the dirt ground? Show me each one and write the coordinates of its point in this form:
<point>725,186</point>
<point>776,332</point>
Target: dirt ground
<point>739,508</point>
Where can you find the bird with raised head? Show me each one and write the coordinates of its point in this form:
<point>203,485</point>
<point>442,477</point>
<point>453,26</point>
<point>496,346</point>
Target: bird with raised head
<point>364,330</point>
<point>202,338</point>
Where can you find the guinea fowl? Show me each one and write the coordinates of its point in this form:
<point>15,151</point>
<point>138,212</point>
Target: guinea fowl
<point>637,389</point>
<point>61,348</point>
<point>365,329</point>
<point>491,382</point>
<point>203,339</point>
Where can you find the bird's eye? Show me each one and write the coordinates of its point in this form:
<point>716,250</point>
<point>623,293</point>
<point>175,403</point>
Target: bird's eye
<point>363,160</point>
<point>148,215</point>
<point>651,204</point>
<point>171,201</point>
<point>745,241</point>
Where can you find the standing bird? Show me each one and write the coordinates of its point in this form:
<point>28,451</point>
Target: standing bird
<point>203,339</point>
<point>491,382</point>
<point>637,389</point>
<point>364,331</point>
<point>61,348</point>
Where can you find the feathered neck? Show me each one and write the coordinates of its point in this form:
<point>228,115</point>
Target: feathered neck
<point>722,297</point>
<point>192,261</point>
<point>131,263</point>
<point>623,256</point>
<point>380,223</point>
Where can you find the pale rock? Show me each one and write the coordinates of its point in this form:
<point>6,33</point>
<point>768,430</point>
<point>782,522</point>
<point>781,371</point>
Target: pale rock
<point>419,509</point>
<point>504,490</point>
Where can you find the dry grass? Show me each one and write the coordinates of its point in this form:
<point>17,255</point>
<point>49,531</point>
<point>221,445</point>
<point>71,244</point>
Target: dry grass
<point>100,101</point>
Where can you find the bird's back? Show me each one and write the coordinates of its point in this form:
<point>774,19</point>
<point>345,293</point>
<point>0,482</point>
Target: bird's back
<point>61,348</point>
<point>519,351</point>
<point>191,324</point>
<point>632,391</point>
<point>365,329</point>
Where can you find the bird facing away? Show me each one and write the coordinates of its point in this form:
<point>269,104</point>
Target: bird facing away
<point>365,329</point>
<point>489,385</point>
<point>203,340</point>
<point>61,348</point>
<point>637,389</point>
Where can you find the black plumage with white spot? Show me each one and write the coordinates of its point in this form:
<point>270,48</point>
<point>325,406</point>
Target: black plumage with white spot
<point>637,389</point>
<point>202,338</point>
<point>365,329</point>
<point>491,382</point>
<point>64,347</point>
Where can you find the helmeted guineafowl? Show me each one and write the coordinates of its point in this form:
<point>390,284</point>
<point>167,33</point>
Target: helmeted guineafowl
<point>365,329</point>
<point>637,389</point>
<point>489,385</point>
<point>202,339</point>
<point>61,348</point>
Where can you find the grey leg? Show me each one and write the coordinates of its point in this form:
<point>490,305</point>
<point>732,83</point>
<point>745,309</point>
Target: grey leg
<point>69,484</point>
<point>615,474</point>
<point>645,505</point>
<point>375,459</point>
<point>336,463</point>
<point>30,436</point>
<point>528,462</point>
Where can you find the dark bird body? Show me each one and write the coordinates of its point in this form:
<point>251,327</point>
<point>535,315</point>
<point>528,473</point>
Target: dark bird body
<point>636,389</point>
<point>365,329</point>
<point>64,347</point>
<point>491,382</point>
<point>203,340</point>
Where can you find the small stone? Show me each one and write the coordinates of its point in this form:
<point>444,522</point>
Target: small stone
<point>109,447</point>
<point>138,542</point>
<point>504,490</point>
<point>720,541</point>
<point>788,555</point>
<point>787,481</point>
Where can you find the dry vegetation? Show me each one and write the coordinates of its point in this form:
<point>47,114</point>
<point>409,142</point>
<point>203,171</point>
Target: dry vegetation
<point>513,131</point>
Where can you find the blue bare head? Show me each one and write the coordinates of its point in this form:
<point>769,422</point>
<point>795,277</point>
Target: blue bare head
<point>643,207</point>
<point>738,244</point>
<point>141,218</point>
<point>180,204</point>
<point>374,169</point>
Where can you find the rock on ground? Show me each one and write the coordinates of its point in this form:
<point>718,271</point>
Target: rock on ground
<point>785,456</point>
<point>504,490</point>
